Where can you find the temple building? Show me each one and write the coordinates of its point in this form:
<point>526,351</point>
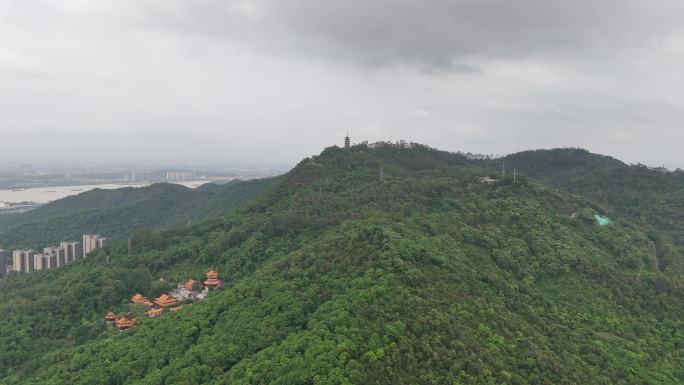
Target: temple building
<point>139,298</point>
<point>183,294</point>
<point>165,300</point>
<point>123,323</point>
<point>154,313</point>
<point>203,294</point>
<point>110,317</point>
<point>213,280</point>
<point>189,284</point>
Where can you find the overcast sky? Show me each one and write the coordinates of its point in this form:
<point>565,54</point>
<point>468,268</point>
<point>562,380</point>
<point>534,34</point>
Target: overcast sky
<point>273,81</point>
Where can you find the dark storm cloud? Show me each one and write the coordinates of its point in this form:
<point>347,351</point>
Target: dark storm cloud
<point>428,33</point>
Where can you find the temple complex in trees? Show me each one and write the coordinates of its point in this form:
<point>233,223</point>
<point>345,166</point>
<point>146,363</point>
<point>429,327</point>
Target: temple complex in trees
<point>184,293</point>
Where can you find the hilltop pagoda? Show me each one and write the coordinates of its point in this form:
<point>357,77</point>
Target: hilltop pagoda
<point>110,317</point>
<point>165,300</point>
<point>213,280</point>
<point>123,323</point>
<point>139,298</point>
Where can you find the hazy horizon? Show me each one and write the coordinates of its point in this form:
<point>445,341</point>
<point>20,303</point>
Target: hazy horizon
<point>268,82</point>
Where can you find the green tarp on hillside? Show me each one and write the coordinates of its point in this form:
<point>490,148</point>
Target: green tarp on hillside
<point>602,220</point>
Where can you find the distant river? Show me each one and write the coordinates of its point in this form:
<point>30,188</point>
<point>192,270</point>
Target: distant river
<point>49,194</point>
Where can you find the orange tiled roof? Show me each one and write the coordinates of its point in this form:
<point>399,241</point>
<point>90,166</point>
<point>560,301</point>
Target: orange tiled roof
<point>165,300</point>
<point>139,298</point>
<point>155,312</point>
<point>110,316</point>
<point>125,323</point>
<point>189,284</point>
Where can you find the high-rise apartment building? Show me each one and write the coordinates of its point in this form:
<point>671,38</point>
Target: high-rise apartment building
<point>16,260</point>
<point>179,175</point>
<point>59,253</point>
<point>93,242</point>
<point>3,263</point>
<point>22,260</point>
<point>72,250</point>
<point>38,262</point>
<point>49,261</point>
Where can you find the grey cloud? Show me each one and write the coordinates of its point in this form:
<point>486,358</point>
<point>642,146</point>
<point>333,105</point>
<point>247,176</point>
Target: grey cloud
<point>426,33</point>
<point>277,80</point>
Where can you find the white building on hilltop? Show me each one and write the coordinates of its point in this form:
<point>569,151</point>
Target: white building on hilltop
<point>398,144</point>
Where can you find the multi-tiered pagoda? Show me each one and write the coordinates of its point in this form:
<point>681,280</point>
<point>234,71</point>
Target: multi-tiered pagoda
<point>213,280</point>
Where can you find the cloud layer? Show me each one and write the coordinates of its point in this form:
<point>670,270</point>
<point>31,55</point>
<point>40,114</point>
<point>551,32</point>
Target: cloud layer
<point>236,80</point>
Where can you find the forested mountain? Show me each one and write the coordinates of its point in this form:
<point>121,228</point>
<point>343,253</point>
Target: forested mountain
<point>119,213</point>
<point>651,197</point>
<point>338,275</point>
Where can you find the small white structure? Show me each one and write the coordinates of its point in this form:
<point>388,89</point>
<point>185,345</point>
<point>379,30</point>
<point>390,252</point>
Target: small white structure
<point>398,144</point>
<point>488,180</point>
<point>202,295</point>
<point>181,294</point>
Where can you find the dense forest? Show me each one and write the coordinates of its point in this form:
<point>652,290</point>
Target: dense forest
<point>121,212</point>
<point>653,198</point>
<point>337,273</point>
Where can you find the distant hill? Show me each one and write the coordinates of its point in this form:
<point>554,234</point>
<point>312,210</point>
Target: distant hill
<point>546,162</point>
<point>120,213</point>
<point>340,273</point>
<point>651,197</point>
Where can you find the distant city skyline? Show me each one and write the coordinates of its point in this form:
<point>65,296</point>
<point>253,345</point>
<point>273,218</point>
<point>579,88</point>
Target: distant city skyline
<point>271,82</point>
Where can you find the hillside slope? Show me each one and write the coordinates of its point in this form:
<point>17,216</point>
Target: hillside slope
<point>334,276</point>
<point>119,213</point>
<point>653,198</point>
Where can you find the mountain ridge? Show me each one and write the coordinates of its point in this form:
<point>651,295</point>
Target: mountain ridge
<point>119,213</point>
<point>336,276</point>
